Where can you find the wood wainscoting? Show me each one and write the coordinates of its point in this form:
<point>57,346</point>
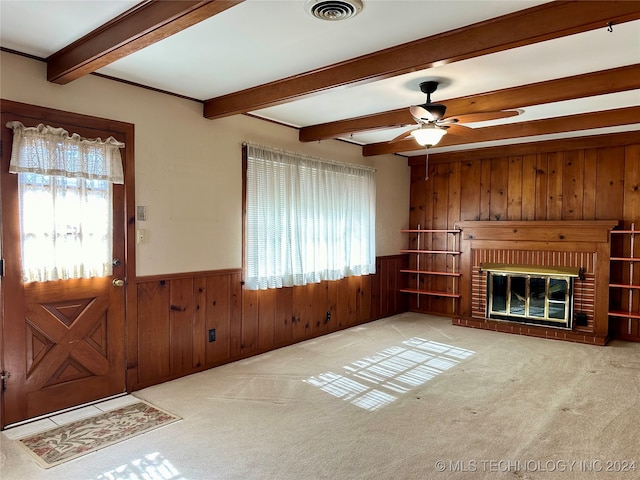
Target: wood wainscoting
<point>177,313</point>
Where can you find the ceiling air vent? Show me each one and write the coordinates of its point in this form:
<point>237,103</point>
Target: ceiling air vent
<point>333,10</point>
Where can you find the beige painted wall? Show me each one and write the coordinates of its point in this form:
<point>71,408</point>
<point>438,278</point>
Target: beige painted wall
<point>188,168</point>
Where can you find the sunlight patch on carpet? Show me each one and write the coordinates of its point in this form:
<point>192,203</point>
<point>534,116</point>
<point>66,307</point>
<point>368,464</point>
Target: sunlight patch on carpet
<point>376,381</point>
<point>148,467</point>
<point>66,442</point>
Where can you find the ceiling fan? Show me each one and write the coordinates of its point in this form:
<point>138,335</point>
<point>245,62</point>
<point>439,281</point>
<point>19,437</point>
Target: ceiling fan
<point>432,125</point>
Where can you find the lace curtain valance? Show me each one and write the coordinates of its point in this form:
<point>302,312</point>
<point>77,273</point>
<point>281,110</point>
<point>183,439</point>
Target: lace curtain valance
<point>65,199</point>
<point>47,150</point>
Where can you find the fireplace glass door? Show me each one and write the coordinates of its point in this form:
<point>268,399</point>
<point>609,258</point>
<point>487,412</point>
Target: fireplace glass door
<point>538,299</point>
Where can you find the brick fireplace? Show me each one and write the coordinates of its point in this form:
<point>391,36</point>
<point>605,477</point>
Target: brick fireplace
<point>536,256</point>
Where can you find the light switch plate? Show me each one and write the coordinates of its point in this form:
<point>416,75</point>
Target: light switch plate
<point>141,213</point>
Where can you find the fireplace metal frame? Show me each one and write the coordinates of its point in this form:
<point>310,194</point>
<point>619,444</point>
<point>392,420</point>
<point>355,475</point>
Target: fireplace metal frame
<point>522,313</point>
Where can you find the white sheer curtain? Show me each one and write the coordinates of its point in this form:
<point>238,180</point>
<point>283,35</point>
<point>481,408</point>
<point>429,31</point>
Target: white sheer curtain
<point>65,200</point>
<point>307,220</point>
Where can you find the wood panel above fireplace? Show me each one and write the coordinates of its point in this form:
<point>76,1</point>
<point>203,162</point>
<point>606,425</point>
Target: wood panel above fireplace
<point>549,244</point>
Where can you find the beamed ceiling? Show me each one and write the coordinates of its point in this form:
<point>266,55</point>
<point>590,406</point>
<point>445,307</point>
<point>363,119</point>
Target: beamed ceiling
<point>572,68</point>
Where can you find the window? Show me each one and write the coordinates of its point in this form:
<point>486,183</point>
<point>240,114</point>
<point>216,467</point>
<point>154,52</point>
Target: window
<point>307,220</point>
<point>65,199</point>
<point>65,227</point>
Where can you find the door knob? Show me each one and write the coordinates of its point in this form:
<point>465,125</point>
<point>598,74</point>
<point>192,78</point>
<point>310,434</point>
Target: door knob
<point>117,282</point>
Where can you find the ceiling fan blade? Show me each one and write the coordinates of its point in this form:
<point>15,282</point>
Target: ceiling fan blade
<point>402,136</point>
<point>485,116</point>
<point>421,113</point>
<point>458,130</point>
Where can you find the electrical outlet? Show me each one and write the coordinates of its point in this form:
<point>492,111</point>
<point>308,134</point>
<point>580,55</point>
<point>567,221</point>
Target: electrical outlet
<point>328,319</point>
<point>212,335</point>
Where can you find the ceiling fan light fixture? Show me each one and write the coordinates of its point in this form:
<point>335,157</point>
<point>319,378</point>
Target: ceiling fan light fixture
<point>428,135</point>
<point>333,10</point>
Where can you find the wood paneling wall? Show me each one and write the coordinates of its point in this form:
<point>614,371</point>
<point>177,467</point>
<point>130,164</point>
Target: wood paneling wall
<point>176,313</point>
<point>593,178</point>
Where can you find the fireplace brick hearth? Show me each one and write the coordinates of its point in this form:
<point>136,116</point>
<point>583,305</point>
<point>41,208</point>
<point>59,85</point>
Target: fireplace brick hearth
<point>576,244</point>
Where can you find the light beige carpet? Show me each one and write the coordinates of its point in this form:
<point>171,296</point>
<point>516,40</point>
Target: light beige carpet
<point>410,397</point>
<point>64,443</point>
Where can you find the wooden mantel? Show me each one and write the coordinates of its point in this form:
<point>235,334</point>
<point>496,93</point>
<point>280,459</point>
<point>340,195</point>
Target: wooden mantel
<point>590,231</point>
<point>584,243</point>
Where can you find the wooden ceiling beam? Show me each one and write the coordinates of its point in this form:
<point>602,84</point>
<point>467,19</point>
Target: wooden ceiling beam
<point>543,22</point>
<point>578,86</point>
<point>569,123</point>
<point>146,23</point>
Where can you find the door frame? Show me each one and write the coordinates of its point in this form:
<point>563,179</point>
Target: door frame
<point>125,132</point>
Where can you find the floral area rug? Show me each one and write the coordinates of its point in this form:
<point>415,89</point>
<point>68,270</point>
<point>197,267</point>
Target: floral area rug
<point>70,441</point>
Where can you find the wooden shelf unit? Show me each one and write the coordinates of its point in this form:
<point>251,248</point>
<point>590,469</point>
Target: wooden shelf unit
<point>632,284</point>
<point>452,250</point>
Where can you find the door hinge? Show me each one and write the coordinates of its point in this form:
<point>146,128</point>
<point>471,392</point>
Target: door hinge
<point>4,376</point>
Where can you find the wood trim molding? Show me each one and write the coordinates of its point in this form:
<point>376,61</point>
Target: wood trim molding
<point>578,86</point>
<point>137,28</point>
<point>568,123</point>
<point>180,275</point>
<point>528,26</point>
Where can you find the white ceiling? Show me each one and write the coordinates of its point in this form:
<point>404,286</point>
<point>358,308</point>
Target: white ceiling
<point>260,41</point>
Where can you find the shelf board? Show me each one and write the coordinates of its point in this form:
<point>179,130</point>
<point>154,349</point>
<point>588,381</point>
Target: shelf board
<point>624,314</point>
<point>430,292</point>
<point>624,285</point>
<point>430,231</point>
<point>626,259</point>
<point>429,272</point>
<point>450,252</point>
<point>625,231</point>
